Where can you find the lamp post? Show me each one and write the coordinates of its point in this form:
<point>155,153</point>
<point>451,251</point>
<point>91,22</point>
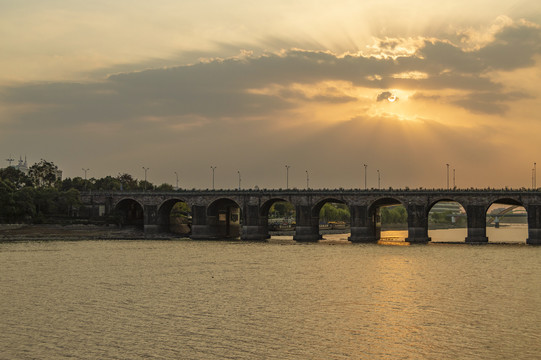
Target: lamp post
<point>379,181</point>
<point>307,180</point>
<point>454,182</point>
<point>365,186</point>
<point>238,171</point>
<point>145,184</point>
<point>176,174</point>
<point>447,176</point>
<point>287,176</point>
<point>213,168</point>
<point>534,176</point>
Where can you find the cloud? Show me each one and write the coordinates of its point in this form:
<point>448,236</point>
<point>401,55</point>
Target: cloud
<point>492,103</point>
<point>384,96</point>
<point>231,88</point>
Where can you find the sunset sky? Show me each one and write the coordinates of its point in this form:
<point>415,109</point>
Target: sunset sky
<point>249,86</point>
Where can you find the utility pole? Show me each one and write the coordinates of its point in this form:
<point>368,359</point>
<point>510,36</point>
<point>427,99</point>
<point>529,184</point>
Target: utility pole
<point>307,180</point>
<point>287,176</point>
<point>379,181</point>
<point>145,184</point>
<point>213,168</point>
<point>10,160</point>
<point>454,183</point>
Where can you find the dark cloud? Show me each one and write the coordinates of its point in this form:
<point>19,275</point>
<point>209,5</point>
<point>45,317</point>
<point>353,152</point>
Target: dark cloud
<point>422,96</point>
<point>384,96</point>
<point>489,102</point>
<point>514,47</point>
<point>477,102</point>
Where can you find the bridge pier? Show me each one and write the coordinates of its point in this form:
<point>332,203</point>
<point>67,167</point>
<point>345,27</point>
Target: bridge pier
<point>200,228</point>
<point>534,225</point>
<point>477,222</point>
<point>254,227</point>
<point>363,227</point>
<point>307,226</point>
<point>150,224</point>
<point>417,224</point>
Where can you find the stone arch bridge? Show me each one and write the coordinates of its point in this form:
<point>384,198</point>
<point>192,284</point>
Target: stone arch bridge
<point>244,213</point>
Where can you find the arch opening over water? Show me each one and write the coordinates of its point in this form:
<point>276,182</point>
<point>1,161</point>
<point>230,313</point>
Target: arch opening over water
<point>333,218</point>
<point>507,221</point>
<point>390,219</point>
<point>131,213</point>
<point>447,221</point>
<point>280,217</point>
<point>224,217</point>
<point>175,217</point>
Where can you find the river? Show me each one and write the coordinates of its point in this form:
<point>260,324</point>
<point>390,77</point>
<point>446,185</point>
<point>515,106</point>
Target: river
<point>275,300</point>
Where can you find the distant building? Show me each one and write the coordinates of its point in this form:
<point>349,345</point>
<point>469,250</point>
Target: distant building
<point>22,166</point>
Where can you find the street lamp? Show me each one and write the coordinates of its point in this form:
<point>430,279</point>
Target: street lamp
<point>145,184</point>
<point>176,174</point>
<point>307,180</point>
<point>238,171</point>
<point>379,181</point>
<point>447,176</point>
<point>365,166</point>
<point>213,168</point>
<point>535,176</point>
<point>454,183</point>
<point>287,176</point>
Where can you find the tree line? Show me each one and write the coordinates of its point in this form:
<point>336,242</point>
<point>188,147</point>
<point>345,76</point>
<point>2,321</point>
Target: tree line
<point>41,196</point>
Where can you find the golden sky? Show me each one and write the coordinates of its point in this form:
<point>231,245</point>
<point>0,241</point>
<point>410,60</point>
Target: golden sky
<point>322,86</point>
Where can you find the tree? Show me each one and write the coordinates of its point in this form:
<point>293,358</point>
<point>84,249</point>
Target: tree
<point>15,177</point>
<point>68,200</point>
<point>127,182</point>
<point>43,173</point>
<point>281,209</point>
<point>107,183</point>
<point>7,189</point>
<point>164,187</point>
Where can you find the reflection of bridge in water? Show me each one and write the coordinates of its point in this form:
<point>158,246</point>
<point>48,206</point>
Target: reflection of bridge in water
<point>244,213</point>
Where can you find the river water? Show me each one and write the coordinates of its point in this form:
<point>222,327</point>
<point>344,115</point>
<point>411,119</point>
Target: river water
<point>275,300</point>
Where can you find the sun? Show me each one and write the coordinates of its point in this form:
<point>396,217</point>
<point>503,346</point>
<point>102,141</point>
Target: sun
<point>392,98</point>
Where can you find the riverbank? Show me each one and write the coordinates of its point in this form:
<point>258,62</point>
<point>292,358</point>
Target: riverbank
<point>15,232</point>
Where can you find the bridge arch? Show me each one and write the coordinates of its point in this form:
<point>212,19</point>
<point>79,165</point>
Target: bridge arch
<point>131,212</point>
<point>338,218</point>
<point>375,215</point>
<point>266,206</point>
<point>447,219</point>
<point>168,220</point>
<point>504,220</point>
<point>281,219</point>
<point>224,218</point>
<point>319,205</point>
